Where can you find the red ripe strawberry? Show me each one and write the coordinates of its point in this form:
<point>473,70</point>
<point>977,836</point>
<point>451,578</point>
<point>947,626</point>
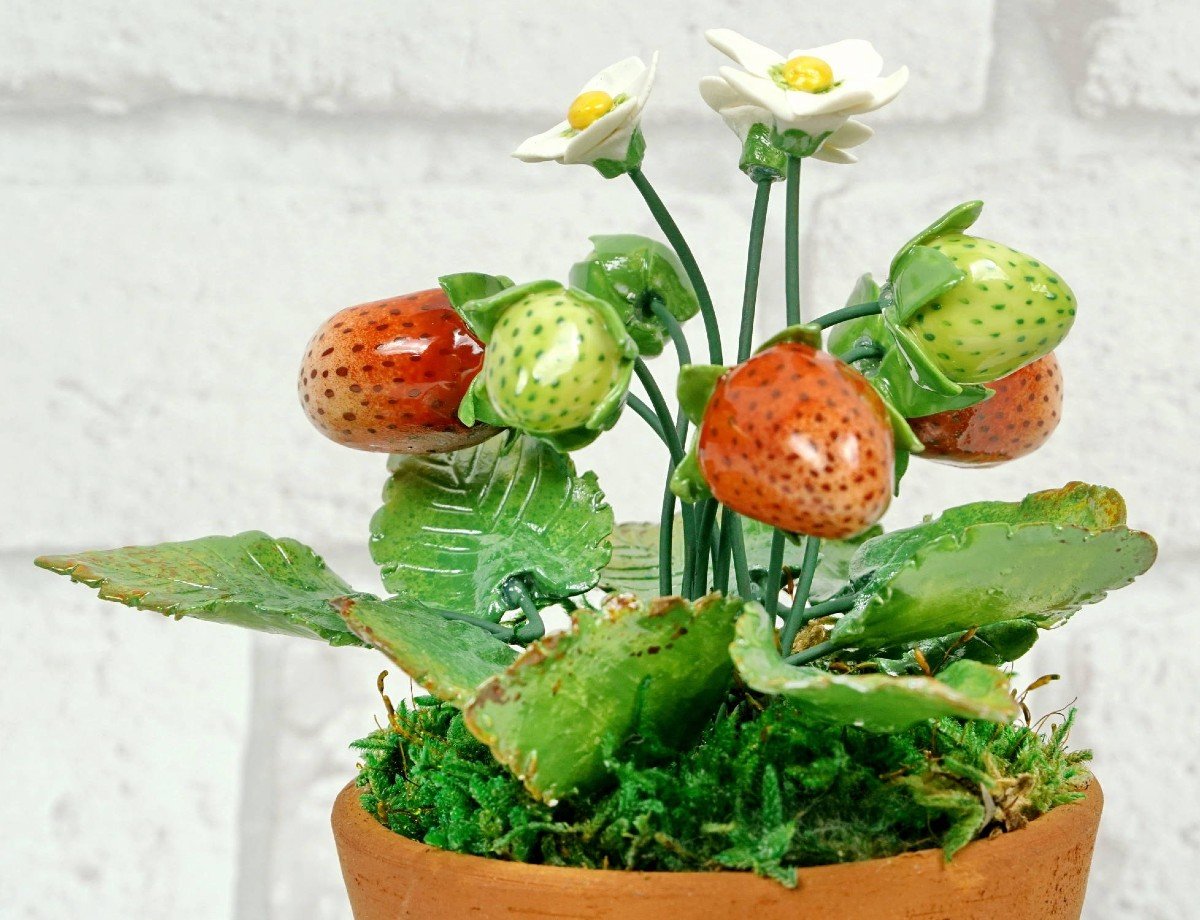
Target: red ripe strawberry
<point>800,441</point>
<point>389,376</point>
<point>1016,421</point>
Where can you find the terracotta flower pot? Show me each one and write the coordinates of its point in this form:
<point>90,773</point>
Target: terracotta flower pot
<point>1038,873</point>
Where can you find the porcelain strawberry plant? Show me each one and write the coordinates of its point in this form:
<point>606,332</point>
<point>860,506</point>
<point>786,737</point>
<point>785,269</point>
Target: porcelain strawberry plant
<point>762,570</point>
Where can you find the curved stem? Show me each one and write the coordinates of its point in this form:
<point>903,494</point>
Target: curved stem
<point>534,628</point>
<point>496,629</point>
<point>791,242</point>
<point>674,330</point>
<point>679,244</point>
<point>808,568</point>
<point>649,416</point>
<point>758,226</point>
<point>670,435</point>
<point>812,654</point>
<point>859,352</point>
<point>847,313</point>
<point>774,573</point>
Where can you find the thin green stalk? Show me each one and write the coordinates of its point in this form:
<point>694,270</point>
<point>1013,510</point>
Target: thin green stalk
<point>649,416</point>
<point>847,313</point>
<point>859,352</point>
<point>758,226</point>
<point>812,654</point>
<point>724,552</point>
<point>496,629</point>
<point>534,628</point>
<point>708,518</point>
<point>661,410</point>
<point>791,242</point>
<point>808,568</point>
<point>679,244</point>
<point>674,330</point>
<point>666,539</point>
<point>774,572</point>
<point>741,569</point>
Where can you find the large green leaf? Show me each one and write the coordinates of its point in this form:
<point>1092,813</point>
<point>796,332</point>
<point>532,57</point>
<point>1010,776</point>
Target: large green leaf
<point>658,670</point>
<point>875,702</point>
<point>1077,503</point>
<point>455,527</point>
<point>449,658</point>
<point>986,573</point>
<point>995,644</point>
<point>634,563</point>
<point>250,580</point>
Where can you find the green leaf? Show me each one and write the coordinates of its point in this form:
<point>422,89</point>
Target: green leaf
<point>695,388</point>
<point>249,580</point>
<point>987,573</point>
<point>632,272</point>
<point>464,286</point>
<point>804,333</point>
<point>449,658</point>
<point>996,644</point>
<point>874,702</point>
<point>922,275</point>
<point>957,220</point>
<point>634,564</point>
<point>556,714</point>
<point>455,527</point>
<point>1078,503</point>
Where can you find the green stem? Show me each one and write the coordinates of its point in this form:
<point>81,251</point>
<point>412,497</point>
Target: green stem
<point>774,573</point>
<point>812,654</point>
<point>708,518</point>
<point>859,352</point>
<point>808,568</point>
<point>740,567</point>
<point>758,226</point>
<point>670,435</point>
<point>674,330</point>
<point>791,242</point>
<point>724,552</point>
<point>666,538</point>
<point>679,244</point>
<point>649,416</point>
<point>496,629</point>
<point>847,313</point>
<point>534,628</point>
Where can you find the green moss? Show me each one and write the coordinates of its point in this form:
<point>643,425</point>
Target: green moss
<point>765,789</point>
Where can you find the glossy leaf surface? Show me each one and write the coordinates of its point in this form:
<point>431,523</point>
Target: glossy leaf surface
<point>996,644</point>
<point>454,528</point>
<point>875,702</point>
<point>249,580</point>
<point>449,658</point>
<point>660,669</point>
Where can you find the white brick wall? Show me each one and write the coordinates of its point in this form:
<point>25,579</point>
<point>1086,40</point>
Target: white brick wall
<point>188,188</point>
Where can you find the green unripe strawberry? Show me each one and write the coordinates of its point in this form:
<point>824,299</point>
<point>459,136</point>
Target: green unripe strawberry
<point>552,362</point>
<point>977,310</point>
<point>557,365</point>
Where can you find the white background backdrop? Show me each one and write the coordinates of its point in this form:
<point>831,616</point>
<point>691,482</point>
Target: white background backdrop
<point>188,187</point>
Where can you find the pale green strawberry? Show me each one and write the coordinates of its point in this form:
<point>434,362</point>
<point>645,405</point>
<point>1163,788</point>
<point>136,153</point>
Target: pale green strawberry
<point>551,361</point>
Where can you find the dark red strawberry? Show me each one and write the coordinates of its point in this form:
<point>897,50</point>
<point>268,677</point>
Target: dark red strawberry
<point>389,376</point>
<point>1016,421</point>
<point>800,441</point>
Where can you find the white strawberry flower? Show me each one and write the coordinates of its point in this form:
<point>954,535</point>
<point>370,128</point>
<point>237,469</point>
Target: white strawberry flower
<point>602,120</point>
<point>814,91</point>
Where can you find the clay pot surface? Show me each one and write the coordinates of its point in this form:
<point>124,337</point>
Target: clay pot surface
<point>1037,873</point>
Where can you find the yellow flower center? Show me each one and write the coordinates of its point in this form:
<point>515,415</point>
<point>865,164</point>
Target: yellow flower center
<point>587,107</point>
<point>807,74</point>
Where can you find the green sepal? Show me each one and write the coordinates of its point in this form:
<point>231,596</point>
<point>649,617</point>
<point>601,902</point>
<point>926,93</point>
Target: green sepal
<point>687,481</point>
<point>636,152</point>
<point>449,658</point>
<point>482,315</point>
<point>464,286</point>
<point>844,336</point>
<point>797,143</point>
<point>762,160</point>
<point>695,388</point>
<point>995,644</point>
<point>631,272</point>
<point>873,702</point>
<point>921,275</point>
<point>657,670</point>
<point>900,466</point>
<point>956,220</point>
<point>455,528</point>
<point>802,333</point>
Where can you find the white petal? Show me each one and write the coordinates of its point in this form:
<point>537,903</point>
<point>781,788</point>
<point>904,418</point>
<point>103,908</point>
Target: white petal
<point>549,145</point>
<point>883,91</point>
<point>582,147</point>
<point>616,78</point>
<point>613,147</point>
<point>851,134</point>
<point>831,154</point>
<point>845,98</point>
<point>758,91</point>
<point>639,90</point>
<point>754,57</point>
<point>719,94</point>
<point>742,118</point>
<point>852,59</point>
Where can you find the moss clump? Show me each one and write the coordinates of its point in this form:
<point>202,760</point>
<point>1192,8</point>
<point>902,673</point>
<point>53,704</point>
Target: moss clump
<point>765,788</point>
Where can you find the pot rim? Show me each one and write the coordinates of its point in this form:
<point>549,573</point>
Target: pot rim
<point>351,820</point>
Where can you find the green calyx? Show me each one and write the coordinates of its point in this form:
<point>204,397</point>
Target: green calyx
<point>966,310</point>
<point>797,143</point>
<point>631,273</point>
<point>762,160</point>
<point>557,366</point>
<point>465,286</point>
<point>694,389</point>
<point>634,154</point>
